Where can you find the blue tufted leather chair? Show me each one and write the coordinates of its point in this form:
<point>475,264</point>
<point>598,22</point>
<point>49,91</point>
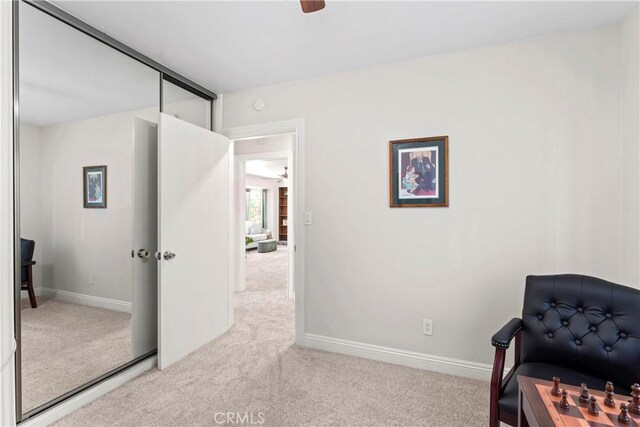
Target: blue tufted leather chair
<point>578,328</point>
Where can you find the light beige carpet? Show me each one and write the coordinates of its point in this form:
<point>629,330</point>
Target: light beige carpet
<point>66,345</point>
<point>255,369</point>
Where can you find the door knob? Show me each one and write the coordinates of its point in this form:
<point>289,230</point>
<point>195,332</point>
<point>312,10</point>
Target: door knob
<point>143,253</point>
<point>168,255</point>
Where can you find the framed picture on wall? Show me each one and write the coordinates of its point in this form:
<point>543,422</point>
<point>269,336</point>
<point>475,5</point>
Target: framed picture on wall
<point>419,173</point>
<point>94,186</point>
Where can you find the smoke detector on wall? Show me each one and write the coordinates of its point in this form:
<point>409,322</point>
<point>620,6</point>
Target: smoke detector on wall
<point>258,105</point>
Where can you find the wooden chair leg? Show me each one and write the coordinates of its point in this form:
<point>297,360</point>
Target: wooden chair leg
<point>32,294</point>
<point>496,383</point>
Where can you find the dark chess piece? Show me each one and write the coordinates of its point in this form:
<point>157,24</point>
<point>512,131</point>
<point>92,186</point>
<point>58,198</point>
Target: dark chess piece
<point>624,414</point>
<point>564,403</point>
<point>634,406</point>
<point>584,393</point>
<point>608,401</point>
<point>556,387</point>
<point>593,406</point>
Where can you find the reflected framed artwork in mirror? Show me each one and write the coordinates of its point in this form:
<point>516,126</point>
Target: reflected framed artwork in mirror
<point>95,187</point>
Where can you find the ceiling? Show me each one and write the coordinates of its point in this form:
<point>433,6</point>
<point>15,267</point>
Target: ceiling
<point>266,168</point>
<point>234,45</point>
<point>58,85</point>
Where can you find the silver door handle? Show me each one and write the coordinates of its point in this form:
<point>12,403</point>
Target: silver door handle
<point>143,253</point>
<point>168,255</point>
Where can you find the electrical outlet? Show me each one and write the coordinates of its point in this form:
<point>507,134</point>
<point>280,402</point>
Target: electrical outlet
<point>427,327</point>
<point>91,280</point>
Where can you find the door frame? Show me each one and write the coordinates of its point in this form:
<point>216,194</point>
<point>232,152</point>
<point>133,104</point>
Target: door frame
<point>296,193</point>
<point>240,161</point>
<point>8,116</point>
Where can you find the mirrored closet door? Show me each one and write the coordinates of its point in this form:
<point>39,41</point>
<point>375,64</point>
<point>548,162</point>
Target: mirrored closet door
<point>87,210</point>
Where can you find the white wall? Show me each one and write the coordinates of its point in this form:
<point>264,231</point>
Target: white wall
<point>195,110</point>
<point>79,242</point>
<point>535,153</point>
<point>30,191</point>
<point>75,242</point>
<point>630,185</point>
<point>271,143</point>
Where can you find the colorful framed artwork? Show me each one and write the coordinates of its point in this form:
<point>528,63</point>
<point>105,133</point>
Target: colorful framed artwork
<point>94,187</point>
<point>419,172</point>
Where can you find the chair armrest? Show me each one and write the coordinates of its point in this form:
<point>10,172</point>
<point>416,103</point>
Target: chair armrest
<point>27,263</point>
<point>503,337</point>
<point>501,341</point>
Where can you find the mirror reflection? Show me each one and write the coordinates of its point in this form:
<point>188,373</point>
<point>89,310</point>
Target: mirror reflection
<point>87,200</point>
<point>185,105</point>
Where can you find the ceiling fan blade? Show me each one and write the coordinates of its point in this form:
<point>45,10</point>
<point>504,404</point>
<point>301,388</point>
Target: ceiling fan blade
<point>310,6</point>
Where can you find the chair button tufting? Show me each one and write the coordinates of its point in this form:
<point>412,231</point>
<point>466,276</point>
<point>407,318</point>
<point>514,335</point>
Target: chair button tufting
<point>539,316</point>
<point>578,342</point>
<point>608,315</point>
<point>553,304</point>
<point>607,348</point>
<point>593,329</point>
<point>565,323</point>
<point>580,309</point>
<point>623,335</point>
<point>550,335</point>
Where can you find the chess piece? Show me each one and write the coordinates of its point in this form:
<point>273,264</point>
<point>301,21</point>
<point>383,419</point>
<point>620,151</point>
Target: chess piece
<point>584,393</point>
<point>608,401</point>
<point>624,414</point>
<point>556,387</point>
<point>593,406</point>
<point>634,406</point>
<point>564,403</point>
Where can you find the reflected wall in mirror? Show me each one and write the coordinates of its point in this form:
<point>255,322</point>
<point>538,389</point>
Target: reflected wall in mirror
<point>83,103</point>
<point>185,105</point>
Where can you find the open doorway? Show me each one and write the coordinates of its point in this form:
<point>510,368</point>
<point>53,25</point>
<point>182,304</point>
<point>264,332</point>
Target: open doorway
<point>266,224</point>
<point>264,213</point>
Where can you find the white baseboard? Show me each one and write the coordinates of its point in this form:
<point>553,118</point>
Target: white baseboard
<point>37,291</point>
<point>65,408</point>
<point>90,300</point>
<point>445,365</point>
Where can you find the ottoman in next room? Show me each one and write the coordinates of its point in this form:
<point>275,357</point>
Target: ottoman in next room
<point>267,246</point>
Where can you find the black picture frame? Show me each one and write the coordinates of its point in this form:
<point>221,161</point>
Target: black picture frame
<point>94,187</point>
<point>419,172</point>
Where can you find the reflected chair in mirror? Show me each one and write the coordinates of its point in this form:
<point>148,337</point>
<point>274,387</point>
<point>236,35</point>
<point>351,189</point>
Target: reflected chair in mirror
<point>578,328</point>
<point>26,270</point>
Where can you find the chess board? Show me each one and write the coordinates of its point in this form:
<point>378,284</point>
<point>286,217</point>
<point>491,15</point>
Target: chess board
<point>577,415</point>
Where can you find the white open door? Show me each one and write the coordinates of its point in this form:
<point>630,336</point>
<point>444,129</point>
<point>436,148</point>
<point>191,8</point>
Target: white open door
<point>193,238</point>
<point>144,301</point>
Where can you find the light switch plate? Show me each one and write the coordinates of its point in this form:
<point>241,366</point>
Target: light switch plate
<point>427,327</point>
<point>307,218</point>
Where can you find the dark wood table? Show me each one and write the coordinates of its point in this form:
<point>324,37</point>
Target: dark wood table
<point>537,407</point>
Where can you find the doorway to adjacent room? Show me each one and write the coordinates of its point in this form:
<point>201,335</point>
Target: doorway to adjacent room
<point>264,211</point>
